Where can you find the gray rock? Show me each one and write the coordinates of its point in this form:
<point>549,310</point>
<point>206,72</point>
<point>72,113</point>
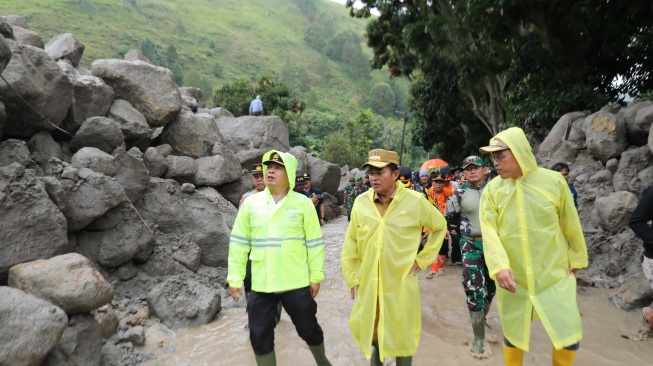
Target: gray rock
<point>195,93</point>
<point>91,198</point>
<point>191,135</point>
<point>135,335</point>
<point>127,271</point>
<point>234,190</point>
<point>32,227</point>
<point>612,165</point>
<point>5,54</point>
<point>109,220</point>
<point>635,294</point>
<point>251,137</point>
<point>205,214</point>
<point>615,210</point>
<point>30,68</point>
<point>118,245</point>
<point>632,173</point>
<point>108,320</point>
<point>80,344</point>
<point>560,132</point>
<point>136,55</point>
<point>94,159</point>
<point>92,97</point>
<point>181,302</point>
<point>181,168</point>
<point>324,175</point>
<point>132,174</point>
<point>188,254</point>
<point>69,281</point>
<point>14,151</point>
<point>28,37</point>
<point>223,167</point>
<point>155,162</point>
<point>637,117</point>
<point>188,188</point>
<point>150,89</point>
<point>161,262</point>
<point>164,149</point>
<point>70,172</point>
<point>55,191</point>
<point>137,153</point>
<point>6,30</point>
<point>101,132</point>
<point>17,21</point>
<point>219,113</point>
<point>602,176</point>
<point>650,139</point>
<point>3,117</point>
<point>133,124</point>
<point>43,147</point>
<point>605,136</point>
<point>65,46</point>
<point>188,103</point>
<point>31,327</point>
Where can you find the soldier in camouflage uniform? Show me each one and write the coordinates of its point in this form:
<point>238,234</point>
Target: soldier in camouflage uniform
<point>463,207</point>
<point>349,197</point>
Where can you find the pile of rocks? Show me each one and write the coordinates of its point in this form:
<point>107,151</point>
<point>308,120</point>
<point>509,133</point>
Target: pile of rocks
<point>132,174</point>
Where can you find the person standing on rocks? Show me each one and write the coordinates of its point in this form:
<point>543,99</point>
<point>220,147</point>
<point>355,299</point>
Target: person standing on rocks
<point>380,261</point>
<point>279,231</point>
<point>638,222</point>
<point>256,106</point>
<point>462,209</point>
<point>534,245</point>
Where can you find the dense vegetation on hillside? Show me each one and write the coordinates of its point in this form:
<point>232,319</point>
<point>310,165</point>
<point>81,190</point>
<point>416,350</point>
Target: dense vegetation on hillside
<point>311,47</point>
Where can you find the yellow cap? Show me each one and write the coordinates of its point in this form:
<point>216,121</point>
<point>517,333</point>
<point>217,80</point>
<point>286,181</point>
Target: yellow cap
<point>380,158</point>
<point>496,145</point>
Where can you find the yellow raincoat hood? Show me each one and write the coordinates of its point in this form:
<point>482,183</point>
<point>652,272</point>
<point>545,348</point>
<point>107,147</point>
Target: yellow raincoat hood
<point>530,225</point>
<point>289,161</point>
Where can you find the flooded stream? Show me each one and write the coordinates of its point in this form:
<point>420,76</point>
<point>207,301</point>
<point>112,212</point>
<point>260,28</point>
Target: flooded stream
<point>445,328</point>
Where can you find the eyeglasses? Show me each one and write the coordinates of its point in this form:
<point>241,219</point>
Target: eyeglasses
<point>500,157</point>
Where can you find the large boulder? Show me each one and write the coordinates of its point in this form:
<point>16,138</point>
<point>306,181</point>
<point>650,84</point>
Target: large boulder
<point>65,47</point>
<point>635,171</point>
<point>565,138</point>
<point>31,327</point>
<point>234,191</point>
<point>94,159</point>
<point>16,21</point>
<point>614,210</point>
<point>43,147</point>
<point>191,135</point>
<point>14,151</point>
<point>637,124</point>
<point>80,344</point>
<point>120,244</point>
<point>5,29</point>
<point>92,97</point>
<point>50,91</point>
<point>133,124</point>
<point>155,162</point>
<point>69,281</point>
<point>195,93</point>
<point>182,302</point>
<point>325,176</point>
<point>132,174</point>
<point>216,112</point>
<point>251,137</point>
<point>5,54</point>
<point>91,196</point>
<point>28,37</point>
<point>181,168</point>
<point>219,168</point>
<point>605,135</point>
<point>3,117</point>
<point>150,89</point>
<point>205,214</point>
<point>101,132</point>
<point>32,227</point>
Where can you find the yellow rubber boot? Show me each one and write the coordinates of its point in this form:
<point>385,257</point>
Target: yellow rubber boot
<point>563,357</point>
<point>513,355</point>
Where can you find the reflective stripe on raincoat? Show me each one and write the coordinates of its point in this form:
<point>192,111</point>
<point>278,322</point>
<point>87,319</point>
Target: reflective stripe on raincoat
<point>377,256</point>
<point>530,225</point>
<point>283,240</point>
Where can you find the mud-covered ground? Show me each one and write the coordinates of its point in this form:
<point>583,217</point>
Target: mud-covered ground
<point>445,328</point>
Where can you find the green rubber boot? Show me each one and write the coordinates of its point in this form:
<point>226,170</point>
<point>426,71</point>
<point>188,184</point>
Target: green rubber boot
<point>268,359</point>
<point>375,360</point>
<point>485,311</point>
<point>320,355</point>
<point>404,361</point>
<point>478,326</point>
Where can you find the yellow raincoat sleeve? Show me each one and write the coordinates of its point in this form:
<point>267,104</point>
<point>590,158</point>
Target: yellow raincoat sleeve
<point>350,255</point>
<point>239,247</point>
<point>431,218</point>
<point>314,244</point>
<point>572,230</point>
<point>496,258</point>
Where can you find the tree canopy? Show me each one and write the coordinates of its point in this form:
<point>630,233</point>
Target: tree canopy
<point>498,63</point>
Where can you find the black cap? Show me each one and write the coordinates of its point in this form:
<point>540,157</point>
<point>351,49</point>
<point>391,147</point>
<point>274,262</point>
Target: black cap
<point>274,158</point>
<point>438,176</point>
<point>299,180</point>
<point>306,176</point>
<point>256,169</point>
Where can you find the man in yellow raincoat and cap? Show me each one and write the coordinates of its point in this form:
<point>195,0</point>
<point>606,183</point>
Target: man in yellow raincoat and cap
<point>533,245</point>
<point>380,261</point>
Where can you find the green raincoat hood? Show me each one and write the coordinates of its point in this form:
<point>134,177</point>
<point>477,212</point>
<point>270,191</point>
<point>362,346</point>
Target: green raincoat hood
<point>288,160</point>
<point>516,140</point>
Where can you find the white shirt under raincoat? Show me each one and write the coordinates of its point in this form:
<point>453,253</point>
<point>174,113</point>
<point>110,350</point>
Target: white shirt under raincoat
<point>283,240</point>
<point>377,256</point>
<point>530,225</point>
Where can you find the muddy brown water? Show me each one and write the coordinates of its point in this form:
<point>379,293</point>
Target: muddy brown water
<point>445,328</point>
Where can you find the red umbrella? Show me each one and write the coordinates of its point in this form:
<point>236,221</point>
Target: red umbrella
<point>434,164</point>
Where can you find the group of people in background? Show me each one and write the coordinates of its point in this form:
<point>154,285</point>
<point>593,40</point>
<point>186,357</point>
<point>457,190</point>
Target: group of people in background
<point>518,239</point>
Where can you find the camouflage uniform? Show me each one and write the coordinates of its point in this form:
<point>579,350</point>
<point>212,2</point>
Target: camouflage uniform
<point>349,191</point>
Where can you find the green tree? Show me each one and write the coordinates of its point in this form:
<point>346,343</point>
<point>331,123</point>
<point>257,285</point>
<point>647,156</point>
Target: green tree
<point>382,99</point>
<point>198,80</point>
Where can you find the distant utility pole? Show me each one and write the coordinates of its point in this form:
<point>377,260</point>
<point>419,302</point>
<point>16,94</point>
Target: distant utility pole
<point>403,133</point>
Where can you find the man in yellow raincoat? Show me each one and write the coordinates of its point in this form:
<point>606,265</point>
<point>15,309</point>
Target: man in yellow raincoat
<point>380,261</point>
<point>533,245</point>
